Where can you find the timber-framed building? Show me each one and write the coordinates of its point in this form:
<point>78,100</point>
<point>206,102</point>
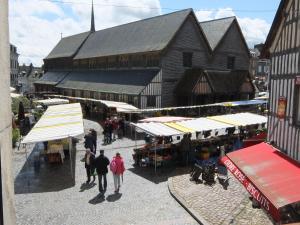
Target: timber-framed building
<point>145,62</point>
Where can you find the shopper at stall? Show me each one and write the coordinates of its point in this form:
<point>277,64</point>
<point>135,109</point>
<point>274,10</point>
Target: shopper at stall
<point>117,168</point>
<point>101,163</point>
<point>122,127</point>
<point>89,165</point>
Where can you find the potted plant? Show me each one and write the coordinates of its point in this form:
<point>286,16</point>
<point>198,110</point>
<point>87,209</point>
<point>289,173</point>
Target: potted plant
<point>15,136</point>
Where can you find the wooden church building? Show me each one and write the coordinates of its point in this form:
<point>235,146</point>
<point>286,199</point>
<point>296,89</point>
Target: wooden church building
<point>163,61</point>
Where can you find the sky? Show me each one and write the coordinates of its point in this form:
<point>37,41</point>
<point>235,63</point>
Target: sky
<point>36,26</point>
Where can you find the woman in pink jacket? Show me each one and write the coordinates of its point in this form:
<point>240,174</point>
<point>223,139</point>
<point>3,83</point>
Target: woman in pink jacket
<point>117,168</point>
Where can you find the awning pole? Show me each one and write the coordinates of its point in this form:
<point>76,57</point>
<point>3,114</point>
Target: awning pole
<point>155,158</point>
<point>70,152</point>
<point>135,137</point>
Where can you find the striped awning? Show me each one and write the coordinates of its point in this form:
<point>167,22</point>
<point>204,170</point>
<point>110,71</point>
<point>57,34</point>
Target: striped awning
<point>58,122</point>
<point>240,119</point>
<point>180,127</point>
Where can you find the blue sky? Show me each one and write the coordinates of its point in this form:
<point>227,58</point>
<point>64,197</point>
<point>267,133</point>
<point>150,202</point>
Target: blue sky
<point>264,9</point>
<point>47,20</point>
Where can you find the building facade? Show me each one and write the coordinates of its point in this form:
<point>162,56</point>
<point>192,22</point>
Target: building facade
<point>259,68</point>
<point>7,210</point>
<point>27,76</point>
<point>142,62</point>
<point>14,65</point>
<point>283,48</point>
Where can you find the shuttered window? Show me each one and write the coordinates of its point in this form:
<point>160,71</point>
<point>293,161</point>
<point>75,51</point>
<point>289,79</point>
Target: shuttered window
<point>187,58</point>
<point>230,62</point>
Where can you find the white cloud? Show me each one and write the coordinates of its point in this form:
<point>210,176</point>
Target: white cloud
<point>255,30</point>
<point>36,26</point>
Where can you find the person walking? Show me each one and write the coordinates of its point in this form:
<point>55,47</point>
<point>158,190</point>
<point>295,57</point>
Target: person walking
<point>89,165</point>
<point>117,168</point>
<point>88,142</point>
<point>101,164</point>
<point>94,139</point>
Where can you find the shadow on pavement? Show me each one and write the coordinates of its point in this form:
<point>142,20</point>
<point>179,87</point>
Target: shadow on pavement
<point>47,178</point>
<point>85,186</point>
<point>97,199</point>
<point>162,174</point>
<point>114,197</point>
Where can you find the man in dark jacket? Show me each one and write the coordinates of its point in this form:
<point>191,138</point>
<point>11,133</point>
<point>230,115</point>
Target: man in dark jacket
<point>101,164</point>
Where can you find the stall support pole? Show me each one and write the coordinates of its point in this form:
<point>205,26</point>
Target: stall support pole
<point>71,158</point>
<point>155,158</point>
<point>135,138</point>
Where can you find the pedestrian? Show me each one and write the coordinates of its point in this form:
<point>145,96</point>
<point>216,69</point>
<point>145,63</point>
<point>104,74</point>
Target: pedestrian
<point>101,164</point>
<point>122,127</point>
<point>115,127</point>
<point>117,168</point>
<point>88,143</point>
<point>110,130</point>
<point>89,165</point>
<point>94,139</point>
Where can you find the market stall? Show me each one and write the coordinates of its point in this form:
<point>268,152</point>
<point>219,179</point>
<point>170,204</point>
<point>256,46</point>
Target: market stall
<point>56,128</point>
<point>52,101</point>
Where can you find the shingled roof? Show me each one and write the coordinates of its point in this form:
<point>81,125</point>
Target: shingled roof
<point>111,81</point>
<point>68,46</point>
<point>152,34</point>
<point>215,30</point>
<point>227,81</point>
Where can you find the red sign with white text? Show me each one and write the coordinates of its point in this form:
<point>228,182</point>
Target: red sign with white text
<point>297,80</point>
<point>251,188</point>
<point>281,107</point>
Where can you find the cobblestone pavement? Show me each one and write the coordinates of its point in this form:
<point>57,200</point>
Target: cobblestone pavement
<point>215,205</point>
<point>51,197</point>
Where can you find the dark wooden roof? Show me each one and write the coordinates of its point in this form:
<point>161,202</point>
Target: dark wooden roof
<point>51,78</point>
<point>215,30</point>
<point>221,82</point>
<point>274,28</point>
<point>188,81</point>
<point>112,81</point>
<point>68,46</point>
<point>152,34</point>
<point>227,81</point>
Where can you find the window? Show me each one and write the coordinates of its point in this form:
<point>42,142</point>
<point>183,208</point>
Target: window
<point>73,93</point>
<point>230,62</point>
<point>259,69</point>
<point>297,106</point>
<point>187,59</point>
<point>151,101</point>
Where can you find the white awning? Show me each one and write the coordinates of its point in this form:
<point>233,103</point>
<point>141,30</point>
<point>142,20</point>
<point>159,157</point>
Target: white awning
<point>58,122</point>
<point>52,101</point>
<point>240,119</point>
<point>15,95</point>
<point>157,129</point>
<point>204,124</point>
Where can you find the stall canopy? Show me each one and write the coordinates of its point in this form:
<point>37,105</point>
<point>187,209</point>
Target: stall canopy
<point>157,129</point>
<point>240,119</point>
<point>204,124</point>
<point>58,122</point>
<point>52,101</point>
<point>164,119</point>
<point>269,176</point>
<point>244,103</point>
<point>121,107</point>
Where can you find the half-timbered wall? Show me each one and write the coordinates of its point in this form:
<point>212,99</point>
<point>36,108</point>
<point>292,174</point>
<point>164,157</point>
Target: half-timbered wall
<point>153,89</point>
<point>285,66</point>
<point>202,87</point>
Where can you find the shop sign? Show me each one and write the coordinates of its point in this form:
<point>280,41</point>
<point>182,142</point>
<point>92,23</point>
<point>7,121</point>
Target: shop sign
<point>254,192</point>
<point>281,107</point>
<point>297,80</point>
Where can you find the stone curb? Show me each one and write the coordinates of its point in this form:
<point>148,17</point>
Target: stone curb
<point>184,204</point>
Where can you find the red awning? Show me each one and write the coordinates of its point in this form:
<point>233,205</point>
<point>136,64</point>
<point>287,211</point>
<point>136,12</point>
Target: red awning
<point>272,178</point>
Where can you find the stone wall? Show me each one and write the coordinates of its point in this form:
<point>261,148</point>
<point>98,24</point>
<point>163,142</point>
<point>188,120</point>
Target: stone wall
<point>5,119</point>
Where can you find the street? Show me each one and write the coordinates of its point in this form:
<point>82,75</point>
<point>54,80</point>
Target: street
<point>49,197</point>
